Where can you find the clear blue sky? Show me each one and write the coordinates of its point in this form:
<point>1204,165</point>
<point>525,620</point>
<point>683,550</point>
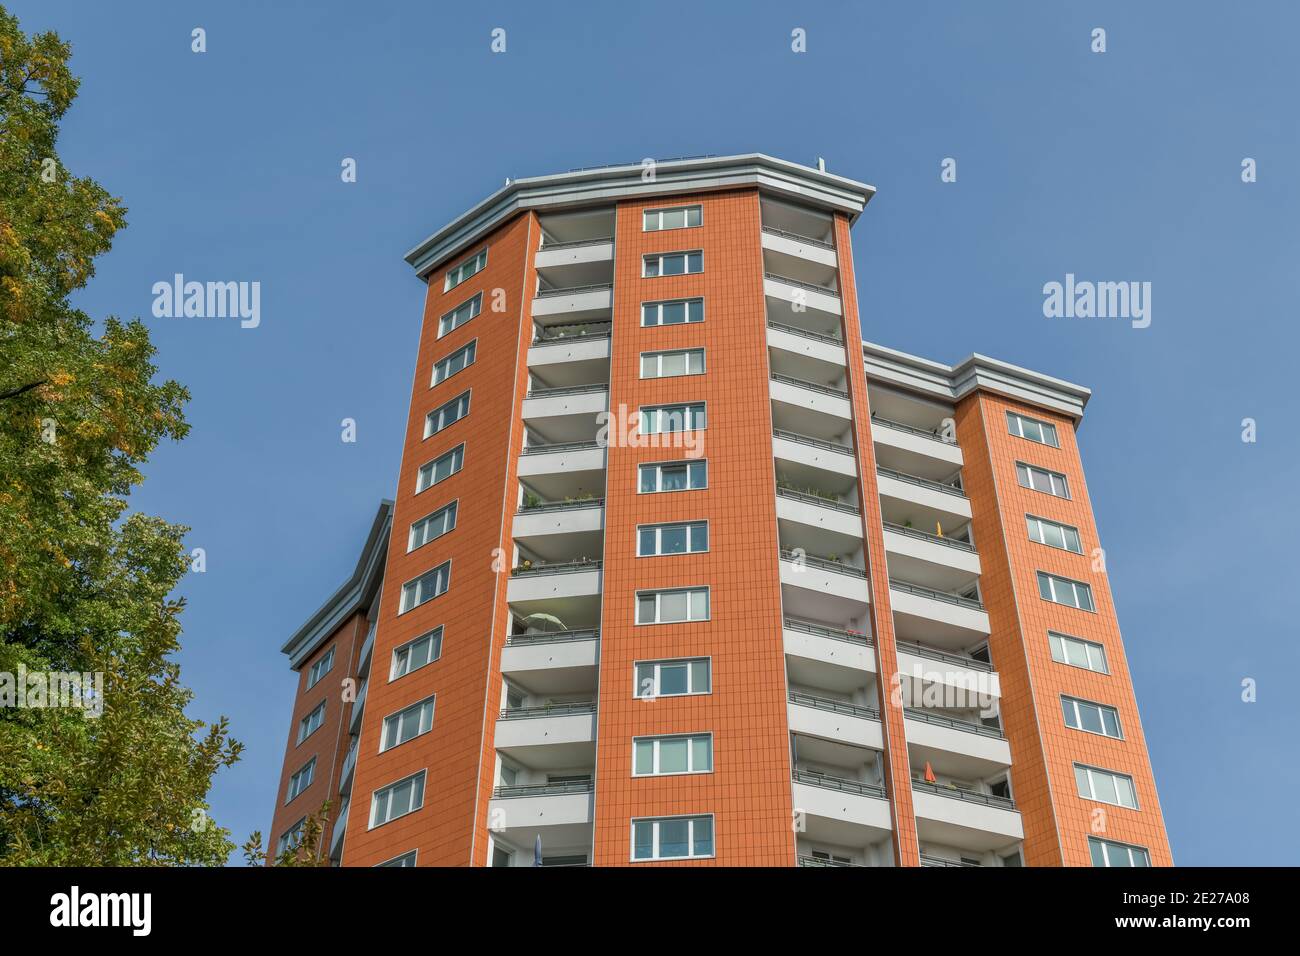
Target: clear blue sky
<point>1114,166</point>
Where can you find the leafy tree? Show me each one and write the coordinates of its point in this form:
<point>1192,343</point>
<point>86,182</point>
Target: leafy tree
<point>308,851</point>
<point>84,587</point>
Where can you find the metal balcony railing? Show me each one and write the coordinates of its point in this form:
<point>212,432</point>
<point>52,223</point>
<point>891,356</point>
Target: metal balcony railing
<point>553,637</point>
<point>816,861</point>
<point>543,449</point>
<point>939,861</point>
<point>970,796</point>
<point>574,290</point>
<point>824,563</point>
<point>567,390</point>
<point>806,333</point>
<point>833,706</point>
<point>814,442</point>
<point>838,783</point>
<point>929,536</point>
<point>544,789</point>
<point>923,482</point>
<point>552,334</point>
<point>574,243</point>
<point>923,650</point>
<point>819,243</point>
<point>954,723</point>
<point>549,710</point>
<point>835,633</point>
<point>574,505</point>
<point>815,499</point>
<point>936,595</point>
<point>913,430</point>
<point>810,286</point>
<point>557,567</point>
<point>804,383</point>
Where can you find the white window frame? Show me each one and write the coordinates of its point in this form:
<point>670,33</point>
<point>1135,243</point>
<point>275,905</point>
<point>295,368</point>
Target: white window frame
<point>1052,477</point>
<point>449,524</point>
<point>659,211</point>
<point>435,636</point>
<point>658,665</point>
<point>475,306</point>
<point>1016,426</point>
<point>434,421</point>
<point>690,592</point>
<point>694,411</point>
<point>1088,772</point>
<point>658,529</point>
<point>303,732</point>
<point>426,706</point>
<point>324,664</point>
<point>655,741</point>
<point>690,838</point>
<point>294,833</point>
<point>1132,849</point>
<point>658,358</point>
<point>1101,708</point>
<point>457,454</point>
<point>1035,523</point>
<point>445,362</point>
<point>1055,579</point>
<point>658,467</point>
<point>1057,639</point>
<point>386,792</point>
<point>458,269</point>
<point>296,783</point>
<point>446,577</point>
<point>659,312</point>
<point>658,259</point>
<point>401,859</point>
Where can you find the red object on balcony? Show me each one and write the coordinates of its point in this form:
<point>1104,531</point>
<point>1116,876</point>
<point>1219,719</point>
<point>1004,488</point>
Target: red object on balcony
<point>929,773</point>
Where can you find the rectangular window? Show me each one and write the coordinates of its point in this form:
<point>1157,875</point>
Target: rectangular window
<point>1052,587</point>
<point>290,838</point>
<point>397,800</point>
<point>426,587</point>
<point>407,724</point>
<point>413,655</point>
<point>440,469</point>
<point>672,838</point>
<point>1106,786</point>
<point>447,414</point>
<point>406,859</point>
<point>674,476</point>
<point>320,668</point>
<point>673,678</point>
<point>679,217</point>
<point>445,368</point>
<point>1092,718</point>
<point>672,264</point>
<point>1040,479</point>
<point>432,526</point>
<point>1053,534</point>
<point>674,312</point>
<point>460,315</point>
<point>1042,432</point>
<point>685,538</point>
<point>470,267</point>
<point>1077,652</point>
<point>658,419</point>
<point>672,606</point>
<point>1110,853</point>
<point>671,364</point>
<point>301,780</point>
<point>658,756</point>
<point>311,723</point>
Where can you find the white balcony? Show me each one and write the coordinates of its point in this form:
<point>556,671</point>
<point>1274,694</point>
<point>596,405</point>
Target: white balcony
<point>946,679</point>
<point>967,821</point>
<point>367,651</point>
<point>838,811</point>
<point>561,814</point>
<point>813,588</point>
<point>790,245</point>
<point>925,503</point>
<point>549,738</point>
<point>844,723</point>
<point>566,414</point>
<point>569,362</point>
<point>922,557</point>
<point>821,525</point>
<point>340,827</point>
<point>824,354</point>
<point>358,707</point>
<point>556,530</point>
<point>560,662</point>
<point>564,470</point>
<point>575,304</point>
<point>940,620</point>
<point>914,451</point>
<point>822,656</point>
<point>814,462</point>
<point>810,408</point>
<point>583,262</point>
<point>788,296</point>
<point>570,592</point>
<point>958,748</point>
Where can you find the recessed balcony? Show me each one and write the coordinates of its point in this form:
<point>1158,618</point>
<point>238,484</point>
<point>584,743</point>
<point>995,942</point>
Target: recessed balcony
<point>924,503</point>
<point>348,770</point>
<point>559,470</point>
<point>553,662</point>
<point>839,810</point>
<point>957,680</point>
<point>817,522</point>
<point>367,651</point>
<point>358,707</point>
<point>821,655</point>
<point>915,451</point>
<point>963,819</point>
<point>554,530</point>
<point>794,301</point>
<point>941,620</point>
<point>788,252</point>
<point>569,414</point>
<point>560,814</point>
<point>826,718</point>
<point>813,586</point>
<point>337,832</point>
<point>963,749</point>
<point>579,262</point>
<point>810,354</point>
<point>570,361</point>
<point>549,737</point>
<point>932,560</point>
<point>570,304</point>
<point>569,591</point>
<point>810,408</point>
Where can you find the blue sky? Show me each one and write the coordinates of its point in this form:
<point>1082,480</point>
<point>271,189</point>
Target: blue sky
<point>1116,166</point>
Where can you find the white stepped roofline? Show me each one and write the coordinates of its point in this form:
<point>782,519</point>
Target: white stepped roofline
<point>356,593</point>
<point>607,185</point>
<point>952,382</point>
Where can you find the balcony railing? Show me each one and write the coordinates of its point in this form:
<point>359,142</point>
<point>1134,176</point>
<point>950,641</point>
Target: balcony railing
<point>954,723</point>
<point>820,243</point>
<point>810,286</point>
<point>824,563</point>
<point>575,243</point>
<point>817,861</point>
<point>567,390</point>
<point>554,637</point>
<point>835,633</point>
<point>349,763</point>
<point>557,567</point>
<point>923,482</point>
<point>804,383</point>
<point>543,449</point>
<point>544,789</point>
<point>912,429</point>
<point>838,783</point>
<point>940,861</point>
<point>834,706</point>
<point>548,710</point>
<point>970,796</point>
<point>928,536</point>
<point>806,333</point>
<point>574,505</point>
<point>922,650</point>
<point>815,499</point>
<point>936,595</point>
<point>814,442</point>
<point>574,290</point>
<point>552,334</point>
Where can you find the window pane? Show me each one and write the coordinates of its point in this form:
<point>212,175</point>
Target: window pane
<point>693,216</point>
<point>696,307</point>
<point>648,364</point>
<point>696,260</point>
<point>1045,587</point>
<point>1090,718</point>
<point>1097,658</point>
<point>673,363</point>
<point>647,545</point>
<point>673,837</point>
<point>649,220</point>
<point>645,609</point>
<point>699,605</point>
<point>674,477</point>
<point>1103,788</point>
<point>672,606</point>
<point>701,754</point>
<point>651,268</point>
<point>645,679</point>
<point>643,839</point>
<point>700,537</point>
<point>695,365</point>
<point>674,218</point>
<point>1076,654</point>
<point>672,540</point>
<point>649,314</point>
<point>644,756</point>
<point>699,474</point>
<point>1084,596</point>
<point>1081,780</point>
<point>1072,541</point>
<point>672,679</point>
<point>703,836</point>
<point>1097,851</point>
<point>1111,721</point>
<point>1117,855</point>
<point>674,265</point>
<point>1067,708</point>
<point>672,755</point>
<point>1058,650</point>
<point>647,478</point>
<point>674,313</point>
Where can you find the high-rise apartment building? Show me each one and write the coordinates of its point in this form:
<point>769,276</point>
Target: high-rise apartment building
<point>679,570</point>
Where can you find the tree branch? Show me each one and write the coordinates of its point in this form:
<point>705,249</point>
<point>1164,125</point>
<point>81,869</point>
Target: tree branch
<point>15,392</point>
